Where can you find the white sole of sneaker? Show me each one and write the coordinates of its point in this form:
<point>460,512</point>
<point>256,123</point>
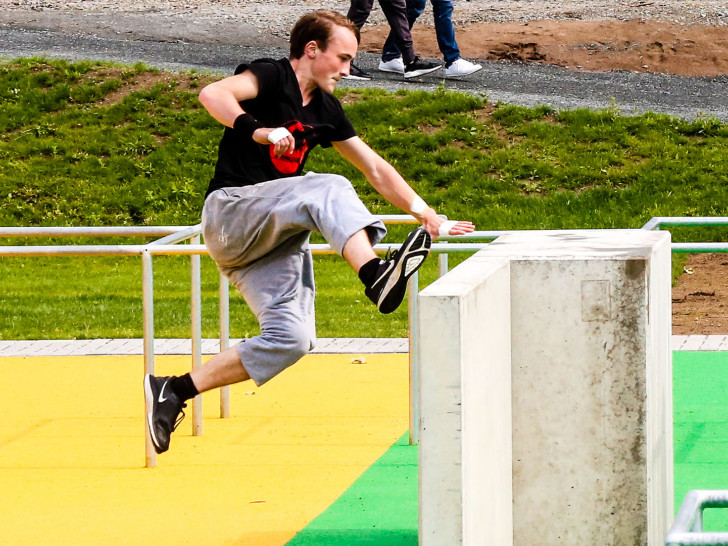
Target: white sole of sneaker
<point>462,73</point>
<point>416,73</point>
<point>414,251</point>
<point>149,404</point>
<point>390,70</point>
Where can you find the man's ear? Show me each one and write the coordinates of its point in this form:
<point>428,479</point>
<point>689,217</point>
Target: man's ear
<point>311,49</point>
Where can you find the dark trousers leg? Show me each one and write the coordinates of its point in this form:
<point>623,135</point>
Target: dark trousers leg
<point>359,11</point>
<point>396,13</point>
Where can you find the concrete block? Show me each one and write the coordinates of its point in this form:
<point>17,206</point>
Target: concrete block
<point>465,405</point>
<point>585,410</point>
<point>592,385</point>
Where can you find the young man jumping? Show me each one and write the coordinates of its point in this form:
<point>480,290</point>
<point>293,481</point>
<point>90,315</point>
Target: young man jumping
<point>260,210</point>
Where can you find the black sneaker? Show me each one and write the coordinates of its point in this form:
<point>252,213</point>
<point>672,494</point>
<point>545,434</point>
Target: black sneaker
<point>356,73</point>
<point>418,67</point>
<point>163,410</point>
<point>390,283</point>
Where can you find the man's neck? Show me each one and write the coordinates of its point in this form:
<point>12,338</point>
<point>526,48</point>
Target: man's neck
<point>305,82</point>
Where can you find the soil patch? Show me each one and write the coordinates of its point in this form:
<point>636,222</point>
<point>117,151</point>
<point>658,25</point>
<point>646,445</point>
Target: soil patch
<point>700,299</point>
<point>636,45</point>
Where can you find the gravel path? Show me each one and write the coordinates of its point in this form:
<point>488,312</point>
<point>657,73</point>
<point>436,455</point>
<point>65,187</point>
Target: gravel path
<point>276,17</point>
<point>215,35</point>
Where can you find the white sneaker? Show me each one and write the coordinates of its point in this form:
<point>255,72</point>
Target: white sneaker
<point>461,67</point>
<point>395,65</point>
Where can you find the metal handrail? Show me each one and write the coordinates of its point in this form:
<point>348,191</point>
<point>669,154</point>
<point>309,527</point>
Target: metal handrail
<point>688,526</point>
<point>167,245</point>
<point>90,231</point>
<point>189,250</point>
<point>171,235</point>
<point>658,221</point>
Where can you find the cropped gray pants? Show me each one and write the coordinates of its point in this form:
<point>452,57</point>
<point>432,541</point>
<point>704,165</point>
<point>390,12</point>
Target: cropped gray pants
<point>259,238</point>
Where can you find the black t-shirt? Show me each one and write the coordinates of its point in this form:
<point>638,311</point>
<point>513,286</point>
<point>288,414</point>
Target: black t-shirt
<point>242,161</point>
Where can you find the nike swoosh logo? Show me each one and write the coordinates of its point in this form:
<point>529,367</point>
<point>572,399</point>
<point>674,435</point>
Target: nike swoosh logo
<point>390,265</point>
<point>161,393</point>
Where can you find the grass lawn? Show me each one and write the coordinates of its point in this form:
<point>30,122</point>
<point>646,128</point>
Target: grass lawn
<point>88,143</point>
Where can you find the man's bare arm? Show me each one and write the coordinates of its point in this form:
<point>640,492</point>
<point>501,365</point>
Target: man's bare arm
<point>222,100</point>
<point>393,187</point>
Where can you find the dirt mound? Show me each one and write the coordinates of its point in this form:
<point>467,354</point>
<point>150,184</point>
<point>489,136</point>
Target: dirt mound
<point>699,300</point>
<point>643,46</point>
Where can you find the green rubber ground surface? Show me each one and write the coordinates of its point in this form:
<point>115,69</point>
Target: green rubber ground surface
<point>380,508</point>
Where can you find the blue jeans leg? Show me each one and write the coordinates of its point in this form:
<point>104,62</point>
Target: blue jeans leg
<point>442,11</point>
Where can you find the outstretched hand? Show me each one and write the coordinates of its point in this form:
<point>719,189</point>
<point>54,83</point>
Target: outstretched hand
<point>453,227</point>
<point>438,227</point>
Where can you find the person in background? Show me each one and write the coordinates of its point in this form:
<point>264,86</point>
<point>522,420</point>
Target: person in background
<point>400,36</point>
<point>455,65</point>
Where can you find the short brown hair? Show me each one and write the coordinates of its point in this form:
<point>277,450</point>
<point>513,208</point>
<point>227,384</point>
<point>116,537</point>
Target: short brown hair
<point>318,26</point>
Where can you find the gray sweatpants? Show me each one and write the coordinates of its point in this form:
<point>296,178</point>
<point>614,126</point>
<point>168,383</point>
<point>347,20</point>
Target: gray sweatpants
<point>258,236</point>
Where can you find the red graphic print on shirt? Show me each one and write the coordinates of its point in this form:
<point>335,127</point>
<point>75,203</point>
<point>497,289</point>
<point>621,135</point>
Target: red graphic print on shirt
<point>289,163</point>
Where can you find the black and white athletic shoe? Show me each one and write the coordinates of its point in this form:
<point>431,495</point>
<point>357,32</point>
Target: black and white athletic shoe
<point>390,283</point>
<point>356,73</point>
<point>163,410</point>
<point>418,67</point>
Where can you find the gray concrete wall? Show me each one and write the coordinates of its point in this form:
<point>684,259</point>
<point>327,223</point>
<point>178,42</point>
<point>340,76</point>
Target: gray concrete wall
<point>591,385</point>
<point>465,405</point>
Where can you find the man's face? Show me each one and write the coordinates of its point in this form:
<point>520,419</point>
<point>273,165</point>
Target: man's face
<point>333,63</point>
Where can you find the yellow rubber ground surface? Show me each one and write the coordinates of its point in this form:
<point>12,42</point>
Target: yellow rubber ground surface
<point>72,451</point>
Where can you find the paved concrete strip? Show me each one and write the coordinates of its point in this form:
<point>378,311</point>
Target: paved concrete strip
<point>693,343</point>
<point>353,345</point>
<point>63,347</point>
<point>714,343</point>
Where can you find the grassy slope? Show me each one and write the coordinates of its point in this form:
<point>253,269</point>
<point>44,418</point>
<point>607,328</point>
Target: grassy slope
<point>94,144</point>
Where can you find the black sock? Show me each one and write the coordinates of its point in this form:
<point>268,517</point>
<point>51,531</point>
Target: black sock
<point>368,271</point>
<point>183,387</point>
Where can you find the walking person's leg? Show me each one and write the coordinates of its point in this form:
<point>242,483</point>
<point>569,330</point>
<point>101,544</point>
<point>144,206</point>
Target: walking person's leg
<point>399,29</point>
<point>359,11</point>
<point>455,65</point>
<point>396,13</point>
<point>444,30</point>
<point>391,55</point>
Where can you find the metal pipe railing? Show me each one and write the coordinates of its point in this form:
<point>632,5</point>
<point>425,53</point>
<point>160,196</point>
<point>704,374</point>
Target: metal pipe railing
<point>414,360</point>
<point>224,298</point>
<point>148,310</point>
<point>90,231</point>
<point>697,248</point>
<point>171,235</point>
<point>167,245</point>
<point>658,221</point>
<point>191,232</point>
<point>688,526</point>
<point>186,250</point>
<point>196,333</point>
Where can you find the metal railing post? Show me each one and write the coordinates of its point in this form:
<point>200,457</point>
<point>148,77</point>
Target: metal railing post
<point>443,264</point>
<point>196,312</point>
<point>224,296</point>
<point>414,364</point>
<point>148,311</point>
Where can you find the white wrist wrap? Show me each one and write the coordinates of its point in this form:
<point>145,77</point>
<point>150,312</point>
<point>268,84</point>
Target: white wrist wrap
<point>445,227</point>
<point>278,134</point>
<point>418,205</point>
